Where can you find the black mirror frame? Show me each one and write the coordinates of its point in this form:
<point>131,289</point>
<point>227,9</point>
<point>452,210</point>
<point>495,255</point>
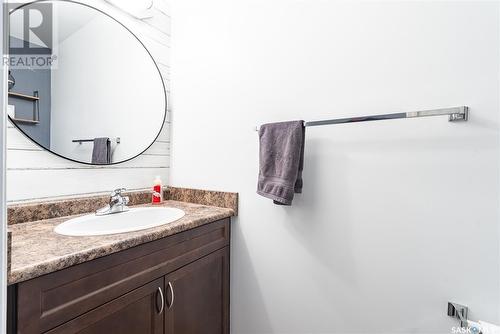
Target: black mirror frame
<point>7,36</point>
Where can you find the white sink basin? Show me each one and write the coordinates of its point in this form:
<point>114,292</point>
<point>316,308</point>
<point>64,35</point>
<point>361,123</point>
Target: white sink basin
<point>133,220</point>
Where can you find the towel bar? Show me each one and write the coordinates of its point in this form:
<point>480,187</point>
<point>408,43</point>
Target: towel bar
<point>454,114</point>
<point>118,140</point>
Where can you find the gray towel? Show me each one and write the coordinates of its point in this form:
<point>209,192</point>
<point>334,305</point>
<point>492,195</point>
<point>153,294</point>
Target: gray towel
<point>281,161</point>
<point>101,155</point>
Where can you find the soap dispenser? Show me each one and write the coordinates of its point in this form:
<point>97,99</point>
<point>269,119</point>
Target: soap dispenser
<point>157,191</point>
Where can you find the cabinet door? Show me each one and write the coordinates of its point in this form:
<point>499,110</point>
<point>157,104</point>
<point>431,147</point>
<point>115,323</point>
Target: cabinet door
<point>140,311</point>
<point>197,296</point>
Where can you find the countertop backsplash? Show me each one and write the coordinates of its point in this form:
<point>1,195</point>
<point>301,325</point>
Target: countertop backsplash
<point>23,212</point>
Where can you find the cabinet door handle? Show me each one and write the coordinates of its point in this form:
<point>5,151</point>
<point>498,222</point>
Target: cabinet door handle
<point>162,301</point>
<point>171,288</point>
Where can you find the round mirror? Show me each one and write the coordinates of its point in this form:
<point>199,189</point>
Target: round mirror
<point>82,85</point>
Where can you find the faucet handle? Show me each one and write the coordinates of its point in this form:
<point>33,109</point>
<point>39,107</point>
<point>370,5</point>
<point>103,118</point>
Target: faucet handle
<point>118,192</point>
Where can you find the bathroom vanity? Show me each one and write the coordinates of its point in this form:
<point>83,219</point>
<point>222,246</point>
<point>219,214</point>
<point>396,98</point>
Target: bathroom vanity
<point>169,279</point>
<point>115,270</point>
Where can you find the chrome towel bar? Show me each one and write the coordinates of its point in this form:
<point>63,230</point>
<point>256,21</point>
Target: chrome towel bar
<point>117,140</point>
<point>454,114</point>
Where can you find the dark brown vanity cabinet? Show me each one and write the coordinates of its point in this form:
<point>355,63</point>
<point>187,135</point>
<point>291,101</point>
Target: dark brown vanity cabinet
<point>196,305</point>
<point>175,285</point>
<point>135,312</point>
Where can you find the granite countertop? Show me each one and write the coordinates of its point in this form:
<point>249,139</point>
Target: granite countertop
<point>37,250</point>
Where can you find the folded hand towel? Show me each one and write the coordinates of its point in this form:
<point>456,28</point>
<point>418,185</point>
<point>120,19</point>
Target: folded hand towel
<point>101,153</point>
<point>281,161</point>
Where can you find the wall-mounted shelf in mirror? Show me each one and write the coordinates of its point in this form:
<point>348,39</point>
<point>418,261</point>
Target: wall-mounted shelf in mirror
<point>21,120</point>
<point>24,96</point>
<point>35,113</point>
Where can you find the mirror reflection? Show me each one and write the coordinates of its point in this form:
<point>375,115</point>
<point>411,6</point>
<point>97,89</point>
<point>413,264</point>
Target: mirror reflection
<point>99,100</point>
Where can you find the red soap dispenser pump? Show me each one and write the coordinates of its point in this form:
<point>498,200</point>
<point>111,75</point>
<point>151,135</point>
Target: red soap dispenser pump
<point>157,191</point>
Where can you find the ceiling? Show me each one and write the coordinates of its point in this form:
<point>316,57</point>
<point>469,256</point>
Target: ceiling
<point>68,18</point>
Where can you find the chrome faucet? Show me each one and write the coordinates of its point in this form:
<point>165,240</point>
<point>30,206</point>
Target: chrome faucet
<point>117,203</point>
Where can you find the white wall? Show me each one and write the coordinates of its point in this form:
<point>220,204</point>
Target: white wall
<point>115,88</point>
<point>396,218</point>
<point>33,173</point>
